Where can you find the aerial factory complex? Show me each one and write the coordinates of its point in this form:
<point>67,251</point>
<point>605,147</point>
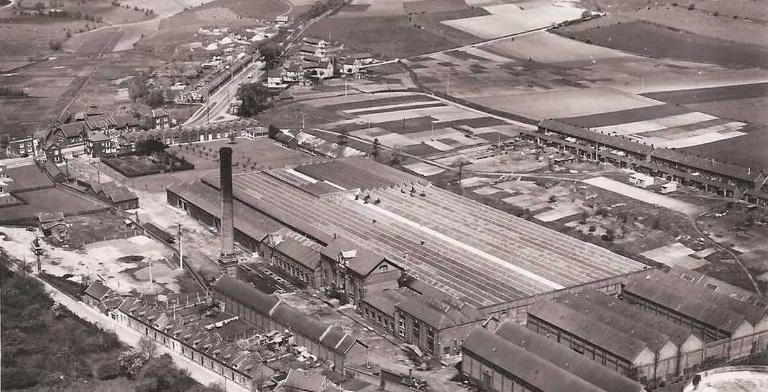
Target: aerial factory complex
<point>384,195</point>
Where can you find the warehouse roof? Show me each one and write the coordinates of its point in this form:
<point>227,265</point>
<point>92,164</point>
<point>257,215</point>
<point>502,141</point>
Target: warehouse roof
<point>528,367</point>
<point>245,294</point>
<point>586,328</point>
<point>439,314</point>
<point>655,340</point>
<point>676,332</point>
<point>753,313</point>
<point>297,251</point>
<point>677,299</point>
<point>566,358</point>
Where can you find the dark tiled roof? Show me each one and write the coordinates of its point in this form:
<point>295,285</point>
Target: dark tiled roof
<point>245,294</point>
<point>73,129</point>
<point>123,120</point>
<point>676,299</point>
<point>566,359</point>
<point>586,328</point>
<point>100,122</point>
<point>95,136</point>
<point>97,290</point>
<point>304,255</point>
<point>532,369</point>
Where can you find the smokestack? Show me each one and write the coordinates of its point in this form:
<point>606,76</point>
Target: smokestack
<point>227,258</point>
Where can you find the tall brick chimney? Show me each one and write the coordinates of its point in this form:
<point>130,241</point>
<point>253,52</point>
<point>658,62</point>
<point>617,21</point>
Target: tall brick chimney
<point>227,260</point>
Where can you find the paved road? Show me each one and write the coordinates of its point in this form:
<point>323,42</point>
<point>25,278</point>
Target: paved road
<point>218,104</point>
<point>131,337</point>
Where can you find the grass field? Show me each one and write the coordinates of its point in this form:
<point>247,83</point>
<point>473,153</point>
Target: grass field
<point>506,19</point>
<point>655,41</point>
<point>390,36</point>
<point>546,47</point>
<point>47,200</point>
<point>747,151</point>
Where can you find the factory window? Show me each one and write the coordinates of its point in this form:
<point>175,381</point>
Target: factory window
<point>401,328</point>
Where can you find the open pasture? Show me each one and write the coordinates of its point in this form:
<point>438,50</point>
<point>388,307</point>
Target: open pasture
<point>22,38</point>
<point>164,8</point>
<point>258,9</point>
<point>372,8</point>
<point>507,19</point>
<point>712,94</point>
<point>747,150</point>
<point>47,200</point>
<point>390,36</point>
<point>722,26</point>
<point>565,103</point>
<point>434,6</point>
<point>545,47</point>
<point>659,42</point>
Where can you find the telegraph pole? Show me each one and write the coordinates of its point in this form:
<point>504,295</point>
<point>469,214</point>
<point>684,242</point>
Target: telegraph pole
<point>181,250</point>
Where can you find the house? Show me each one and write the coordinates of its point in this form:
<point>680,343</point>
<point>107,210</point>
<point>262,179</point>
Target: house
<point>286,139</point>
<point>318,42</point>
<point>99,145</point>
<point>52,150</point>
<point>292,73</point>
<point>22,147</point>
<point>362,58</point>
<point>352,270</point>
<point>73,133</point>
<point>275,79</point>
<point>311,59</point>
<point>311,50</point>
<point>322,70</point>
<point>306,381</point>
<point>101,122</point>
<point>53,225</point>
<point>125,122</point>
<point>350,66</point>
<point>281,20</point>
<point>160,119</point>
<point>268,313</point>
<point>514,358</point>
<point>96,293</point>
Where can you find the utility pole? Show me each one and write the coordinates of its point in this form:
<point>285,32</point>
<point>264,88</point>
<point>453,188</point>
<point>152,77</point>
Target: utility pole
<point>181,250</point>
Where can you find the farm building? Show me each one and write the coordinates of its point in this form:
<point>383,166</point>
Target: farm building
<point>431,233</point>
<point>707,174</point>
<point>268,313</point>
<point>712,315</point>
<point>502,361</point>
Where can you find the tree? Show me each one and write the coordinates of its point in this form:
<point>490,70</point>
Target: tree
<point>376,148</point>
<point>138,87</point>
<point>147,346</point>
<point>254,98</point>
<point>159,375</point>
<point>270,54</point>
<point>461,163</point>
<point>55,44</point>
<point>155,98</point>
<point>272,131</point>
<point>150,146</point>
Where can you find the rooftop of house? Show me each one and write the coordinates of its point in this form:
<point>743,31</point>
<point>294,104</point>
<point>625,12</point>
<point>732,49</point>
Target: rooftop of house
<point>359,259</point>
<point>307,381</point>
<point>96,136</point>
<point>73,129</point>
<point>97,290</point>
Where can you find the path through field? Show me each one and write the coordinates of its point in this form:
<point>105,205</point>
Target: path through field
<point>644,195</point>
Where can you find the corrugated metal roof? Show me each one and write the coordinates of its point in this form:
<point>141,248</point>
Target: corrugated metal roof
<point>655,340</point>
<point>567,359</point>
<point>678,300</point>
<point>245,294</point>
<point>586,328</point>
<point>677,333</point>
<point>532,369</point>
